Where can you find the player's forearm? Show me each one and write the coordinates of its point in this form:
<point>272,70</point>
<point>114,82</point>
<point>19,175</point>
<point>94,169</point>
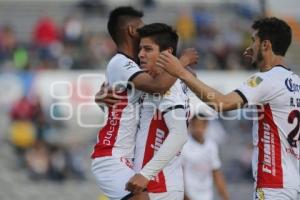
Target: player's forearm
<point>171,146</point>
<point>221,185</point>
<point>212,97</point>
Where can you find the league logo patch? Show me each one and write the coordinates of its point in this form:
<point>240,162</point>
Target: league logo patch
<point>254,81</point>
<point>259,195</point>
<point>167,93</point>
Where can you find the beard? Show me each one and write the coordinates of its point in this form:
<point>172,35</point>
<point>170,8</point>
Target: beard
<point>259,59</point>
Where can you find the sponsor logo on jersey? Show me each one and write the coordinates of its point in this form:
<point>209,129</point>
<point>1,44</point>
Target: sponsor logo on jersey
<point>268,142</point>
<point>129,65</point>
<point>292,87</point>
<point>159,139</point>
<point>113,121</point>
<point>254,81</point>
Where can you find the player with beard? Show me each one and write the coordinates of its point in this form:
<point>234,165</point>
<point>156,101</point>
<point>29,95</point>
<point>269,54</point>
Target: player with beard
<point>275,92</point>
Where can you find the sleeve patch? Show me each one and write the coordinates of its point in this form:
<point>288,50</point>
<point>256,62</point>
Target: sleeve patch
<point>254,81</point>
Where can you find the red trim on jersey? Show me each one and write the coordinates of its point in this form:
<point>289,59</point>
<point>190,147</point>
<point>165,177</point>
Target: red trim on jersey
<point>269,169</point>
<point>108,134</point>
<point>158,132</point>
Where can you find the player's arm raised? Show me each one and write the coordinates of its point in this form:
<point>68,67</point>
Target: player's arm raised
<point>211,96</point>
<point>163,82</point>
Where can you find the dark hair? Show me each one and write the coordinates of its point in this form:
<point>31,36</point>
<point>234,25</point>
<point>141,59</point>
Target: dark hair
<point>277,31</point>
<point>163,35</point>
<point>118,18</point>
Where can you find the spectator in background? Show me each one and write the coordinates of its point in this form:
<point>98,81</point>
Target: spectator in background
<point>12,54</point>
<point>45,32</point>
<point>38,161</point>
<point>47,41</point>
<point>8,42</point>
<point>72,31</point>
<point>201,164</point>
<point>186,27</point>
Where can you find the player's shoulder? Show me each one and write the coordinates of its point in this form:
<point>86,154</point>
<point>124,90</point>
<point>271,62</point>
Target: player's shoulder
<point>276,74</point>
<point>211,144</point>
<point>120,61</point>
<point>178,89</point>
<point>189,145</point>
<point>175,94</point>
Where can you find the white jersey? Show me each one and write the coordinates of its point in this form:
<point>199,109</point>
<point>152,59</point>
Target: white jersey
<point>199,161</point>
<point>117,137</point>
<point>153,131</point>
<point>276,95</point>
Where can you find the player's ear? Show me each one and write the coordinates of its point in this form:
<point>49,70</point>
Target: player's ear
<point>131,31</point>
<point>266,45</point>
<point>170,50</point>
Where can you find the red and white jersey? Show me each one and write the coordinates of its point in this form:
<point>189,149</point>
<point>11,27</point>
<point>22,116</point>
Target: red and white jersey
<point>153,131</point>
<point>199,161</point>
<point>276,95</point>
<point>117,137</point>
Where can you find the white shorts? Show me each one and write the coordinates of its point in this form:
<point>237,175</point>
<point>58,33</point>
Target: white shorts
<point>112,174</point>
<point>173,195</point>
<point>275,194</point>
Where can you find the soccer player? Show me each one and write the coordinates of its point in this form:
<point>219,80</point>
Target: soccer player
<point>113,153</point>
<point>275,91</point>
<point>201,163</point>
<point>163,123</point>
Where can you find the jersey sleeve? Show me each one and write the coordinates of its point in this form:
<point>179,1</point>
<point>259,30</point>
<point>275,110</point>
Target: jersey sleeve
<point>216,162</point>
<point>171,146</point>
<point>121,73</point>
<point>256,90</point>
<point>171,100</point>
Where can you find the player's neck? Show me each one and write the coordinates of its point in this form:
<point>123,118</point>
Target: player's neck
<point>271,62</point>
<point>199,140</point>
<point>128,50</point>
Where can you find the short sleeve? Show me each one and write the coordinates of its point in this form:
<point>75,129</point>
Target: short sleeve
<point>257,89</point>
<point>121,72</point>
<point>216,163</point>
<point>171,100</point>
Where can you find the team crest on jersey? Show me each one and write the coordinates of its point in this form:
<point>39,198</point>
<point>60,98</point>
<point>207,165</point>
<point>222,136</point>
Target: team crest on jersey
<point>259,195</point>
<point>254,81</point>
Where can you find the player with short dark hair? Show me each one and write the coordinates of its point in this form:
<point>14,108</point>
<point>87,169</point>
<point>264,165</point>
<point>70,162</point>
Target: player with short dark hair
<point>114,151</point>
<point>275,92</point>
<point>163,123</point>
<point>120,20</point>
<point>161,34</point>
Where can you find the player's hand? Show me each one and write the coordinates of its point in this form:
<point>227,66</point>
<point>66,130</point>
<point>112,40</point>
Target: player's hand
<point>137,183</point>
<point>189,57</point>
<point>170,63</point>
<point>106,96</point>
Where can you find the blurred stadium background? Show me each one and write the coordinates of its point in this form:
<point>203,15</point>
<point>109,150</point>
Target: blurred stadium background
<point>52,60</point>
